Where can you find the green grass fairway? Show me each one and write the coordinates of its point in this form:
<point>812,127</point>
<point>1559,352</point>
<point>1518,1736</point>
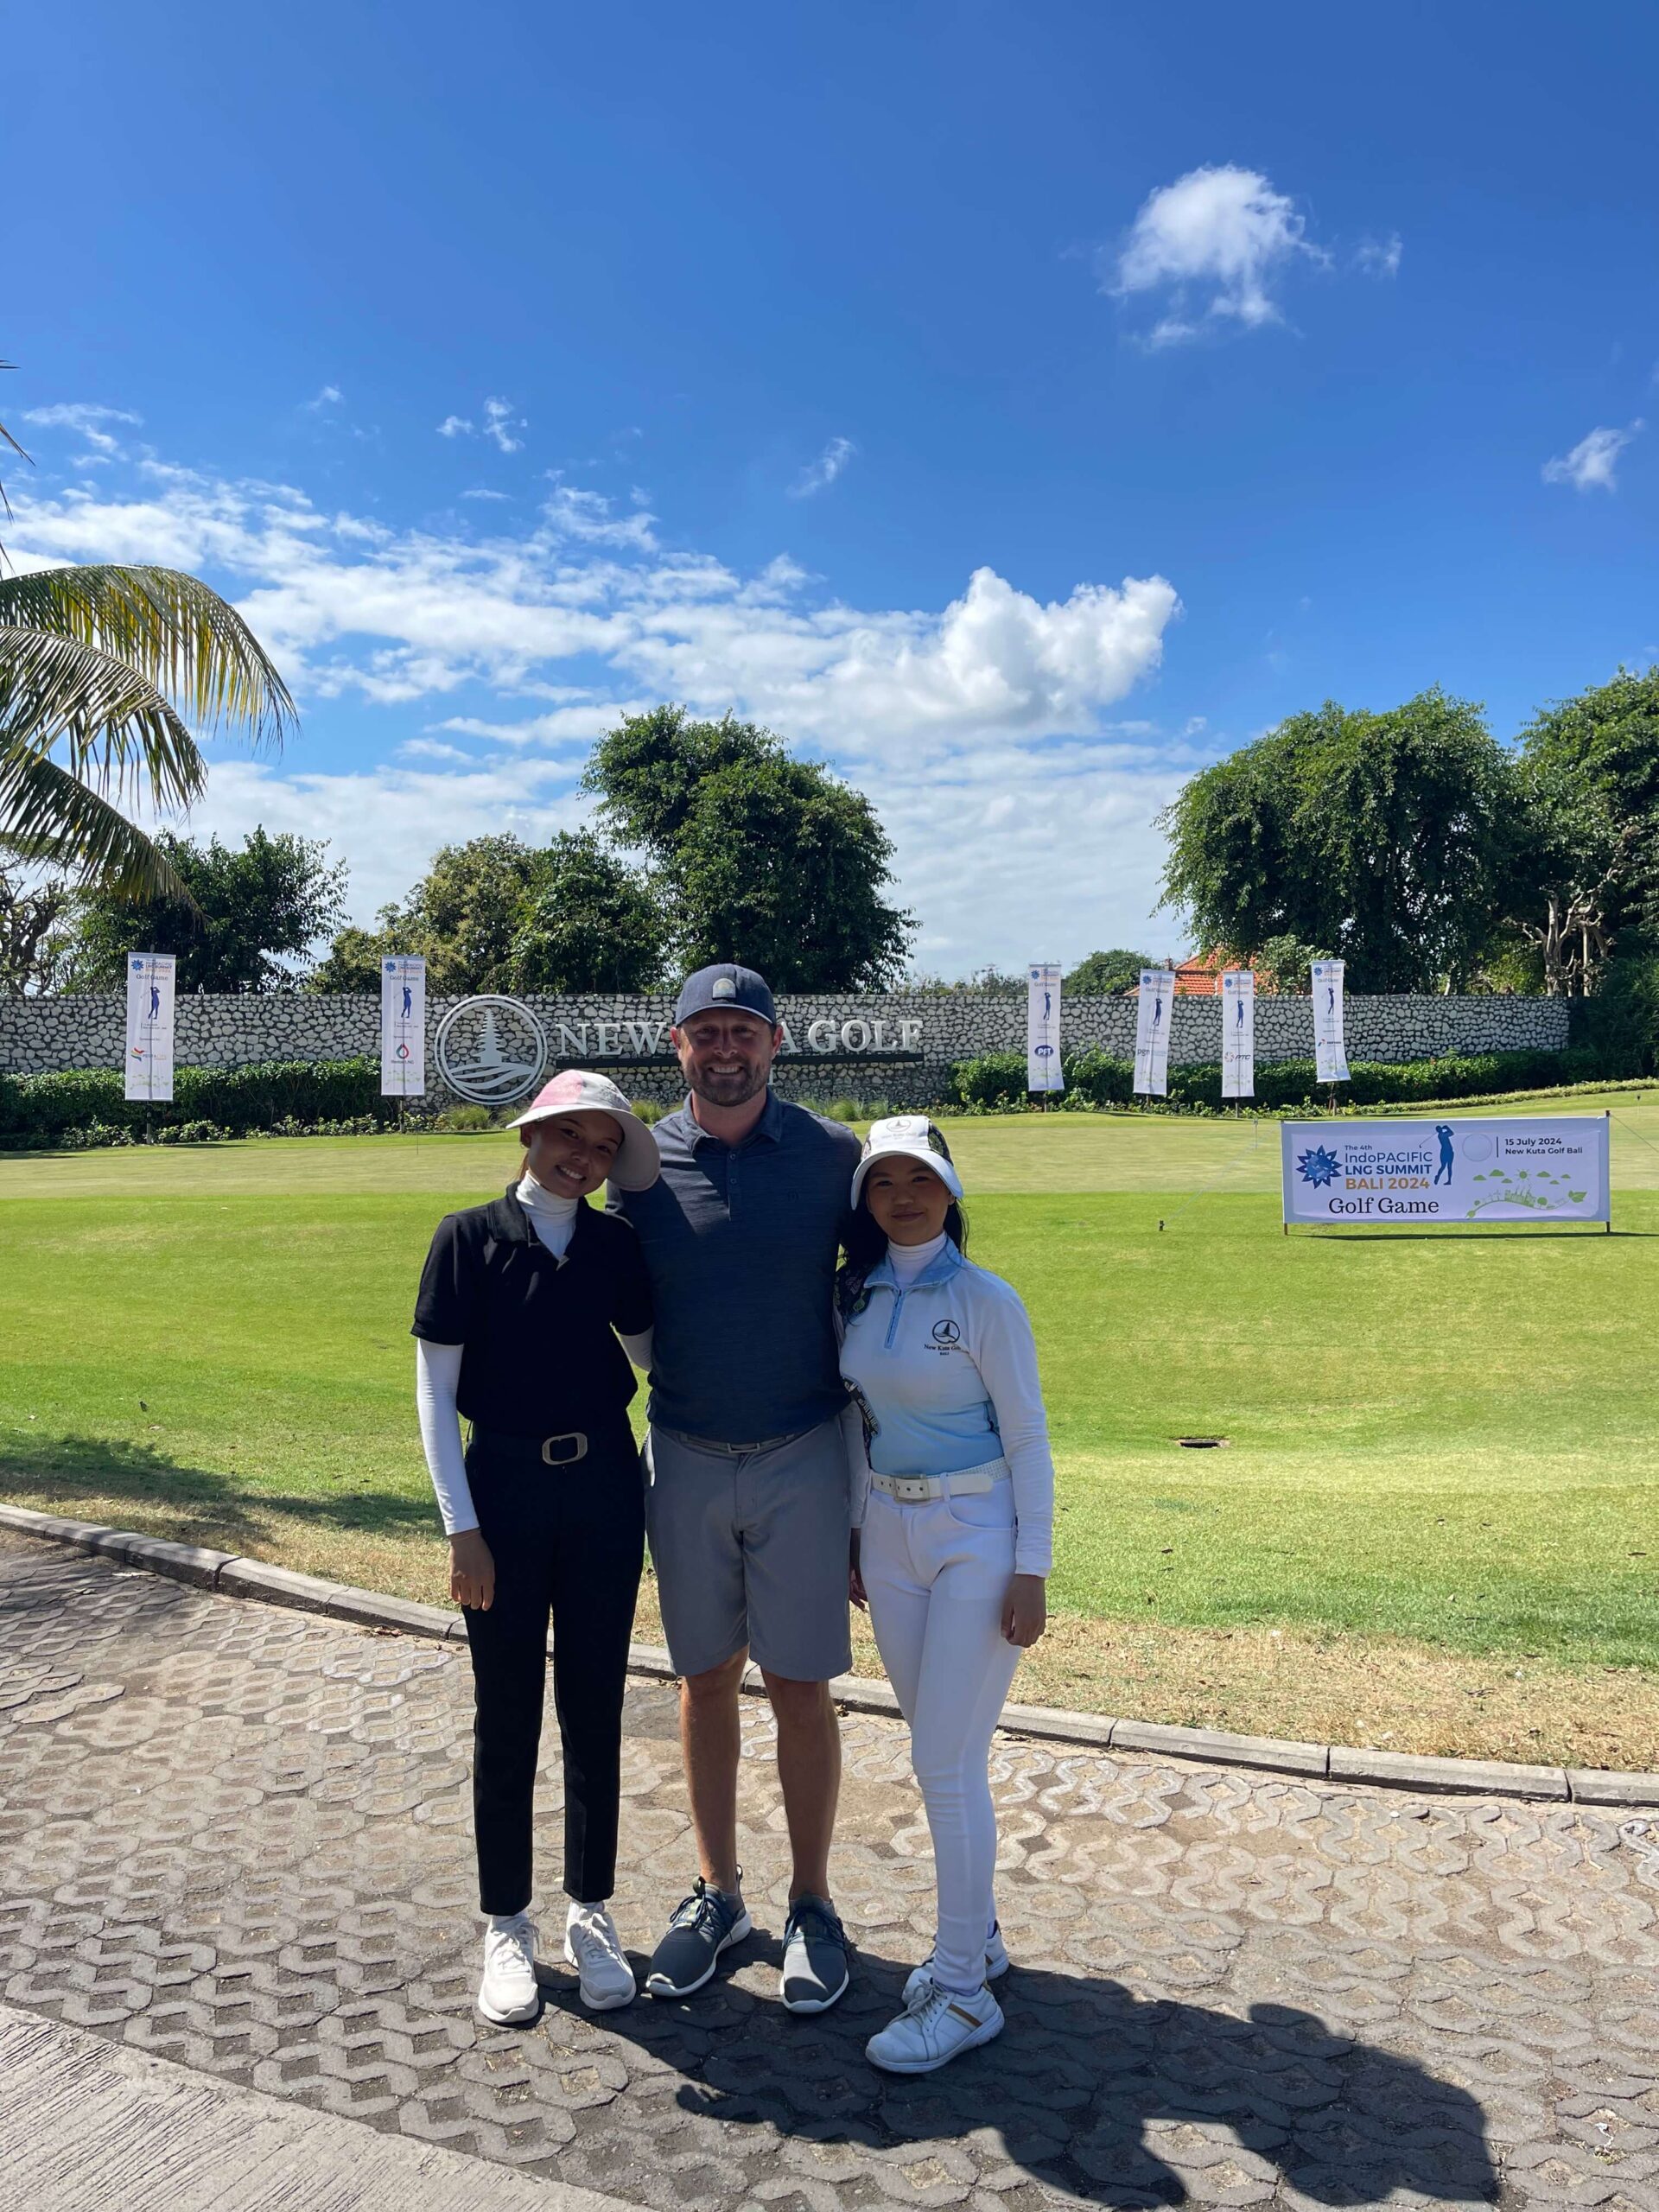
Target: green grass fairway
<point>1171,1156</point>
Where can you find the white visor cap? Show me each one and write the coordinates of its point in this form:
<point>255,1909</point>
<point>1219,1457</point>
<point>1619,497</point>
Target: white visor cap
<point>910,1136</point>
<point>578,1091</point>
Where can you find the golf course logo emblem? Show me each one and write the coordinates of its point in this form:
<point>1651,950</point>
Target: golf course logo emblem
<point>1319,1166</point>
<point>491,1050</point>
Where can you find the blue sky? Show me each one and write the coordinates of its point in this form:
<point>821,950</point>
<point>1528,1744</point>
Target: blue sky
<point>1016,407</point>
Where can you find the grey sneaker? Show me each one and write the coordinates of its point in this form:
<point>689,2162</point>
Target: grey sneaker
<point>701,1930</point>
<point>815,1952</point>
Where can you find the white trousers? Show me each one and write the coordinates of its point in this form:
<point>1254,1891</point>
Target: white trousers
<point>937,1576</point>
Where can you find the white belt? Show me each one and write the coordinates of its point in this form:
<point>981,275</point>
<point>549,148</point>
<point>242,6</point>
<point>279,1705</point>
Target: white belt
<point>917,1490</point>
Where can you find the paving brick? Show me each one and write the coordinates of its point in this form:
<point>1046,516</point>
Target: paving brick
<point>1218,1748</point>
<point>277,1586</point>
<point>193,1563</point>
<point>372,1609</point>
<point>1476,1777</point>
<point>1596,1786</point>
<point>239,1838</point>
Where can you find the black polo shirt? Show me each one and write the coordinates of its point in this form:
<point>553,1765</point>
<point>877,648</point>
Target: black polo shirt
<point>538,1355</point>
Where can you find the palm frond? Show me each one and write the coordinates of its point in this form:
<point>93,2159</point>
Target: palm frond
<point>172,628</point>
<point>116,725</point>
<point>52,818</point>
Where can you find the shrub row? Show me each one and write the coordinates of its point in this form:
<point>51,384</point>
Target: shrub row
<point>271,1095</point>
<point>996,1082</point>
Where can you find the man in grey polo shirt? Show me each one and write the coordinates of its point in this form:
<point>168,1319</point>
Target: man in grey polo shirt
<point>747,1507</point>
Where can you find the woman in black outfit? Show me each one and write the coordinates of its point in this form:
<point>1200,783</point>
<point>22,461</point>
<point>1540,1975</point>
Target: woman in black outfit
<point>520,1306</point>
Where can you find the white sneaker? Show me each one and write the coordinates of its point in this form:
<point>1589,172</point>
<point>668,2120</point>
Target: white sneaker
<point>508,1994</point>
<point>933,2027</point>
<point>593,1947</point>
<point>996,1963</point>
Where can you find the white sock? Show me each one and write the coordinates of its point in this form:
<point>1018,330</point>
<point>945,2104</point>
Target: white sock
<point>498,1920</point>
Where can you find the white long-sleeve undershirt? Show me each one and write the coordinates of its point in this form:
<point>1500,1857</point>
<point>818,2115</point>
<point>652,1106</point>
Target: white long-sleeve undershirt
<point>437,1371</point>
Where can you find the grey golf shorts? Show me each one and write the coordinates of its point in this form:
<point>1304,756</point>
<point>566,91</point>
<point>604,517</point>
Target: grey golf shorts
<point>750,1548</point>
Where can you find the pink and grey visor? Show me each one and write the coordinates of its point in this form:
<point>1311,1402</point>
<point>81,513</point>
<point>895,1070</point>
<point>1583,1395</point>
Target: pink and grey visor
<point>579,1091</point>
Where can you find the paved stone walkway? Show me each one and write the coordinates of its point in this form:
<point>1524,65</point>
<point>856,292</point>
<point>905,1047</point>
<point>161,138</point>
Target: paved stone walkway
<point>238,1837</point>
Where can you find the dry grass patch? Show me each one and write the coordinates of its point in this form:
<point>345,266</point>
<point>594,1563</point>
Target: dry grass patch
<point>1372,1692</point>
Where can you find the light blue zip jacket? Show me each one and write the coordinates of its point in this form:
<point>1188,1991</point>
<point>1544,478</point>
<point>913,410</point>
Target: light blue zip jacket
<point>945,1371</point>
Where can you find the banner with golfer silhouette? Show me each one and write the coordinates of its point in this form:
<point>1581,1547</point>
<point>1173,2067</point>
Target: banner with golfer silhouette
<point>1152,1033</point>
<point>1043,1027</point>
<point>1329,1053</point>
<point>1237,1034</point>
<point>1479,1167</point>
<point>403,1026</point>
<point>149,1025</point>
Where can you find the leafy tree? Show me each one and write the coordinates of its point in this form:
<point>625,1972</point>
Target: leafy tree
<point>1394,838</point>
<point>1284,966</point>
<point>100,669</point>
<point>352,961</point>
<point>33,947</point>
<point>251,915</point>
<point>1106,974</point>
<point>463,917</point>
<point>989,982</point>
<point>757,856</point>
<point>1590,772</point>
<point>591,925</point>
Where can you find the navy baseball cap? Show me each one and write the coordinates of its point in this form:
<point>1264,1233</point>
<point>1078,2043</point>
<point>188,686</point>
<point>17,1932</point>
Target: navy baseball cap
<point>725,984</point>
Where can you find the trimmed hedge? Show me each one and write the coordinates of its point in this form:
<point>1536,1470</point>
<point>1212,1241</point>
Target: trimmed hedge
<point>44,1109</point>
<point>996,1082</point>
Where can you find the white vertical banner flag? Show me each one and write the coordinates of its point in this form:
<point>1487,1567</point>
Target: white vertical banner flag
<point>1237,1034</point>
<point>1152,1031</point>
<point>149,1025</point>
<point>1329,1051</point>
<point>1043,1027</point>
<point>402,1026</point>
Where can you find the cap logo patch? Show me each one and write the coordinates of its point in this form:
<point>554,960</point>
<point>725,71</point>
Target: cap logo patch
<point>724,988</point>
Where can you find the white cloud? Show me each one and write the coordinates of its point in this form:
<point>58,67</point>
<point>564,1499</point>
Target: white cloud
<point>1380,257</point>
<point>586,516</point>
<point>480,491</point>
<point>824,470</point>
<point>1593,461</point>
<point>981,730</point>
<point>1215,242</point>
<point>499,423</point>
<point>87,420</point>
<point>330,395</point>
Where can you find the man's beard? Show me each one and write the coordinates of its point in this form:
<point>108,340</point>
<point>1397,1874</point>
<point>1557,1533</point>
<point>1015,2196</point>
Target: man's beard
<point>729,1089</point>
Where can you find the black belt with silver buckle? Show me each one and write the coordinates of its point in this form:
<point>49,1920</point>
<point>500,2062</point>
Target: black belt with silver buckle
<point>561,1451</point>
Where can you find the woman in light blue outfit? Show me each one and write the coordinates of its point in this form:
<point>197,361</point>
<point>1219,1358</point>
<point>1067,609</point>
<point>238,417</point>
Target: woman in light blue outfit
<point>953,1508</point>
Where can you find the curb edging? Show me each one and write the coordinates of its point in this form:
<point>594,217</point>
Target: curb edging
<point>231,1575</point>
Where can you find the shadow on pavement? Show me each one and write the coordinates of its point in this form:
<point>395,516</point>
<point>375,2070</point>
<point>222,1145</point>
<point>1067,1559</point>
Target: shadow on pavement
<point>1083,2083</point>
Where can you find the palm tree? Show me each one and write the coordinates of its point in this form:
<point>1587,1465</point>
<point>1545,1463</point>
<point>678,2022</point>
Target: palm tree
<point>99,666</point>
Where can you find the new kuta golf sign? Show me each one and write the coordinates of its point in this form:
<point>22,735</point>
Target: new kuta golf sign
<point>1490,1167</point>
<point>492,1050</point>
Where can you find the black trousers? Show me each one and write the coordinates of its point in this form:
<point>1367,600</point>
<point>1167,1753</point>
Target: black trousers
<point>568,1545</point>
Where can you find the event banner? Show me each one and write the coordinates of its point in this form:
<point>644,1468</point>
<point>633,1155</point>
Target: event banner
<point>1480,1167</point>
<point>402,1026</point>
<point>1152,1031</point>
<point>1043,1027</point>
<point>1329,1053</point>
<point>1237,1033</point>
<point>149,1025</point>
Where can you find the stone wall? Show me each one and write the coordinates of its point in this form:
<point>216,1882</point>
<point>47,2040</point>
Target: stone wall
<point>899,1047</point>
